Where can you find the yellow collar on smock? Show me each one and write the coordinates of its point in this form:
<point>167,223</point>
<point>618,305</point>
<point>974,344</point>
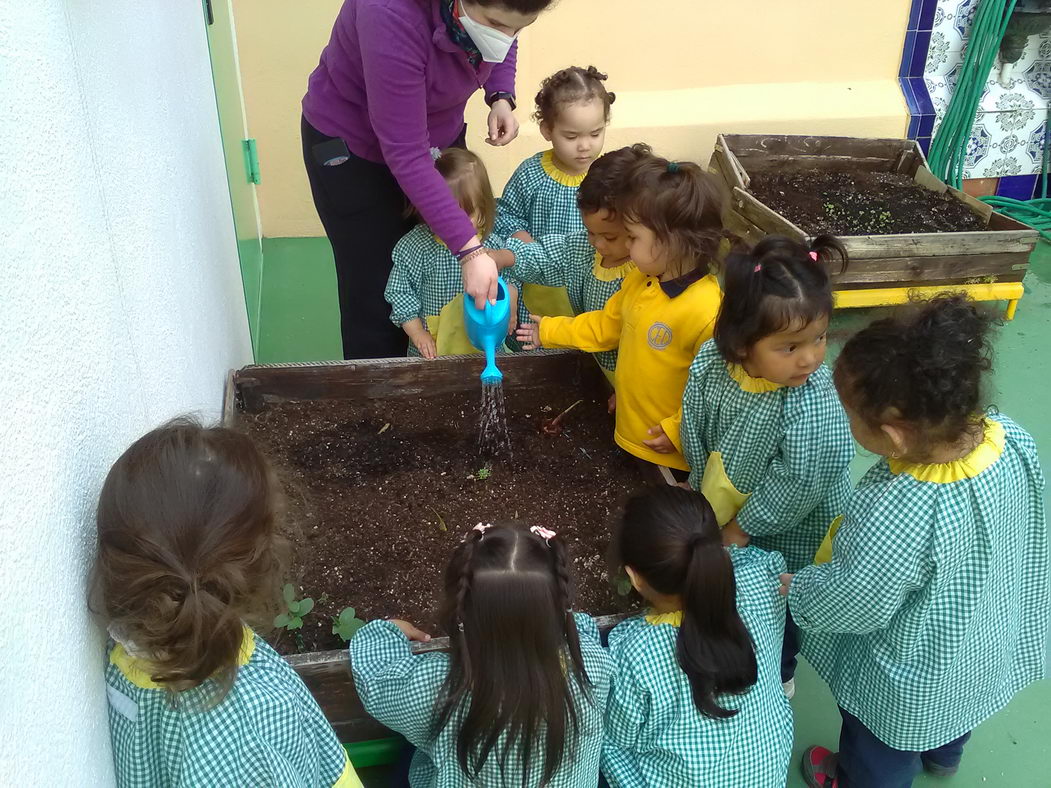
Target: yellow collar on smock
<point>981,457</point>
<point>748,383</point>
<point>547,161</point>
<point>140,672</point>
<point>675,618</point>
<point>610,274</point>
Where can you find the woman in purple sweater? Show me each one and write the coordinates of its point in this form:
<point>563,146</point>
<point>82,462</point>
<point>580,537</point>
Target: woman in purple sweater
<point>393,83</point>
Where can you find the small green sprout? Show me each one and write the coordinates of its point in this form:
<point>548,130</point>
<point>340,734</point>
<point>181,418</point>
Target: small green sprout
<point>346,624</point>
<point>295,609</point>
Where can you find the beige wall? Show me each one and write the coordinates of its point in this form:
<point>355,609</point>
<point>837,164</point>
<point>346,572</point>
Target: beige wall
<point>684,70</point>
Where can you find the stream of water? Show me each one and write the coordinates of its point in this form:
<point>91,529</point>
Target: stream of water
<point>493,439</point>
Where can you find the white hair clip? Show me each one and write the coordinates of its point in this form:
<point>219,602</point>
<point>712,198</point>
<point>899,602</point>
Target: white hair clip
<point>544,533</point>
<point>436,153</point>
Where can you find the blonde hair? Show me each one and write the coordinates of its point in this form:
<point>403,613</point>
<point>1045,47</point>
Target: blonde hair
<point>469,182</point>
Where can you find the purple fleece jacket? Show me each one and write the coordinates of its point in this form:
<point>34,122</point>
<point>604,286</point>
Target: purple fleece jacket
<point>393,85</point>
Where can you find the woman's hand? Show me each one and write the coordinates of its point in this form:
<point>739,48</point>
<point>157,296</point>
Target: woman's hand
<point>503,125</point>
<point>529,334</point>
<point>479,279</point>
<point>411,632</point>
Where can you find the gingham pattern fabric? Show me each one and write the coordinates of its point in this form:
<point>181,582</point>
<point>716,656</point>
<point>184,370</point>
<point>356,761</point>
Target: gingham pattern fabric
<point>268,731</point>
<point>654,734</point>
<point>790,449</point>
<point>933,611</point>
<point>565,261</point>
<point>537,203</point>
<point>424,278</point>
<point>399,689</point>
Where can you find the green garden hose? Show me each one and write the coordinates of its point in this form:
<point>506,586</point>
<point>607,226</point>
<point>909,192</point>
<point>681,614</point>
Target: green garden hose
<point>1036,212</point>
<point>948,151</point>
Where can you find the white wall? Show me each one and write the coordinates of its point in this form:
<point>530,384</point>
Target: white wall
<point>121,305</point>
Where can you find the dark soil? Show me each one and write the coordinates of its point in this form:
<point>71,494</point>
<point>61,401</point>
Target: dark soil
<point>861,203</point>
<point>379,508</point>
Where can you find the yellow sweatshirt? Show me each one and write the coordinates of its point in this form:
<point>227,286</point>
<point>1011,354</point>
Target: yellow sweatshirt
<point>658,328</point>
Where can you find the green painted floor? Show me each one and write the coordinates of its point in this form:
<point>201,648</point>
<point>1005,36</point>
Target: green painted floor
<point>299,321</point>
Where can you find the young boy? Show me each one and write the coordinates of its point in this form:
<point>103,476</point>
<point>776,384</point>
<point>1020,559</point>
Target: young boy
<point>589,264</point>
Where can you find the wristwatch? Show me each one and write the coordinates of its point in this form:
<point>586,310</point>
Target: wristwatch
<point>495,97</point>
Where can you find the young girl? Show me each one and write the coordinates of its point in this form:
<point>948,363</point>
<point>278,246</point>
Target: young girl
<point>572,109</point>
<point>932,612</point>
<point>188,550</point>
<point>519,698</point>
<point>590,263</point>
<point>425,288</point>
<point>762,429</point>
<point>696,696</point>
<point>665,309</point>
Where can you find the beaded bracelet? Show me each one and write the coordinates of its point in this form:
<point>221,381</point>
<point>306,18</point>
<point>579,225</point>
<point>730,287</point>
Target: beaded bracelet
<point>464,252</point>
<point>478,251</point>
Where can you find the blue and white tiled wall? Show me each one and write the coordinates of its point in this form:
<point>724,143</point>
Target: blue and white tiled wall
<point>1008,137</point>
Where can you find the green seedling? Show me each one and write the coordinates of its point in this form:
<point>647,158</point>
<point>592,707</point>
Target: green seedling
<point>346,624</point>
<point>295,609</point>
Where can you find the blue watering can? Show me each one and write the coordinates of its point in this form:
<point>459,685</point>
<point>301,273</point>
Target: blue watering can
<point>486,328</point>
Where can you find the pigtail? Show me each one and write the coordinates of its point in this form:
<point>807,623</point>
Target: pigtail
<point>570,85</point>
<point>714,648</point>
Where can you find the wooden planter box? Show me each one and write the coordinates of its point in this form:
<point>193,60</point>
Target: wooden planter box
<point>327,673</point>
<point>981,259</point>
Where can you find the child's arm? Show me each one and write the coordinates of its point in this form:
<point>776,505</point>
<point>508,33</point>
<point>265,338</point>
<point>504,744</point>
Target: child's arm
<point>396,686</point>
<point>627,711</point>
<point>692,421</point>
<point>879,559</point>
<point>549,259</point>
<point>813,458</point>
<point>588,331</point>
<point>403,294</point>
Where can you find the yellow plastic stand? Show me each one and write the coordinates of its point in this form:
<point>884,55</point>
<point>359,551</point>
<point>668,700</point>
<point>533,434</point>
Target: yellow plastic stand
<point>1011,292</point>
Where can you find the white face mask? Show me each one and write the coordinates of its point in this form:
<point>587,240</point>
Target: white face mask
<point>492,44</point>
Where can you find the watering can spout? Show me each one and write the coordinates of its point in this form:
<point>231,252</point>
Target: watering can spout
<point>486,328</point>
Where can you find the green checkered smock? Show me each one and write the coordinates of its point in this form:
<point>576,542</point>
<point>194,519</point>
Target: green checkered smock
<point>540,199</point>
<point>933,610</point>
<point>569,261</point>
<point>267,731</point>
<point>399,689</point>
<point>787,449</point>
<point>654,734</point>
<point>424,278</point>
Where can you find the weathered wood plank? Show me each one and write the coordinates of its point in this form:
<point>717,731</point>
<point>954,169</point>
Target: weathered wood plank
<point>733,172</point>
<point>746,145</point>
<point>999,221</point>
<point>929,180</point>
<point>861,247</point>
<point>405,377</point>
<point>755,163</point>
<point>1013,276</point>
<point>229,399</point>
<point>766,219</point>
<point>982,209</point>
<point>891,270</point>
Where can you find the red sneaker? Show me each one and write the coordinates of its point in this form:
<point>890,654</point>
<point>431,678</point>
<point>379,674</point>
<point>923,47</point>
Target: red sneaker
<point>819,767</point>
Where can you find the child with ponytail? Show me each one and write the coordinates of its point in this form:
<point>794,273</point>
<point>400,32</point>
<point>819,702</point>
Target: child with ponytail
<point>932,612</point>
<point>696,698</point>
<point>188,554</point>
<point>766,438</point>
<point>665,309</point>
<point>519,698</point>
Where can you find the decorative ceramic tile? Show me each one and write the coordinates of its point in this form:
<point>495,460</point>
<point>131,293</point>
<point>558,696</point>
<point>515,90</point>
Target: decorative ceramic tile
<point>1008,137</point>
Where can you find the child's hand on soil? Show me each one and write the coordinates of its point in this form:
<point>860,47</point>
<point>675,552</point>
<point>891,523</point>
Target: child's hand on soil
<point>734,534</point>
<point>660,443</point>
<point>411,632</point>
<point>786,582</point>
<point>425,344</point>
<point>529,334</point>
<point>611,406</point>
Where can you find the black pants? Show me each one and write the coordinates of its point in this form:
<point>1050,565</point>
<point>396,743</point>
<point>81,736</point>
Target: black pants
<point>866,762</point>
<point>364,212</point>
<point>789,648</point>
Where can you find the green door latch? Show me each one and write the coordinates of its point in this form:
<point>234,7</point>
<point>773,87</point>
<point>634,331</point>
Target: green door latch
<point>251,161</point>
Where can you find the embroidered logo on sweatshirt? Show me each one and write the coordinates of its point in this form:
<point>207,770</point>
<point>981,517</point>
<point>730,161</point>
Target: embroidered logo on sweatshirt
<point>659,336</point>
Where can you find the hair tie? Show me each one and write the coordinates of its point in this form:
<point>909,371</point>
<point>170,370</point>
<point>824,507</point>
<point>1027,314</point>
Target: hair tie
<point>673,166</point>
<point>758,268</point>
<point>695,540</point>
<point>813,256</point>
<point>436,153</point>
<point>544,533</point>
<point>482,527</point>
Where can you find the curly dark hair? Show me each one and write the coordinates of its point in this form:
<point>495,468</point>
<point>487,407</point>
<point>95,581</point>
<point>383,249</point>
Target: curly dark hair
<point>599,188</point>
<point>569,86</point>
<point>924,367</point>
<point>777,285</point>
